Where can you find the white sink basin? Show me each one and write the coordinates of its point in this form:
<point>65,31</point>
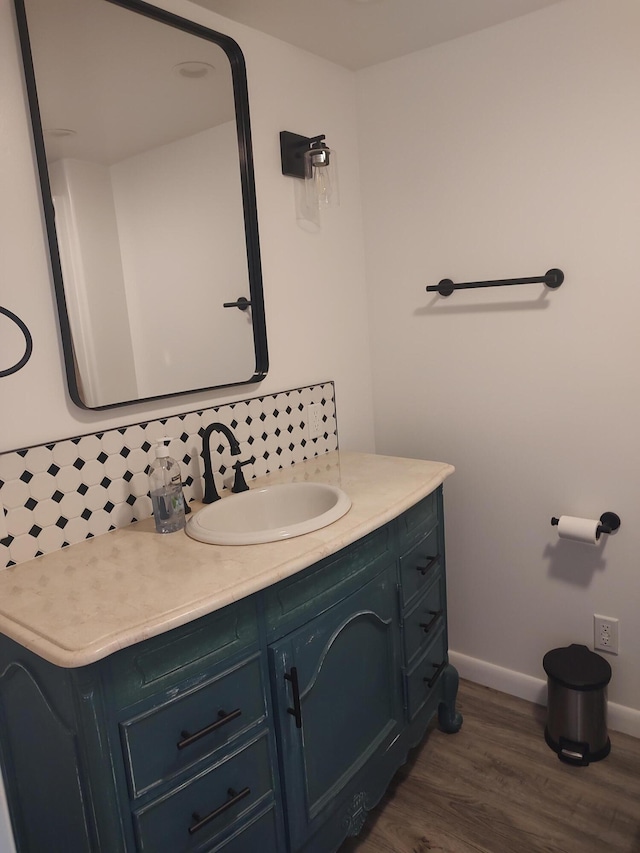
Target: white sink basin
<point>269,514</point>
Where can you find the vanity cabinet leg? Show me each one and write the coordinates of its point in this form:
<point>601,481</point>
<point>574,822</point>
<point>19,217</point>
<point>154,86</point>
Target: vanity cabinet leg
<point>449,719</point>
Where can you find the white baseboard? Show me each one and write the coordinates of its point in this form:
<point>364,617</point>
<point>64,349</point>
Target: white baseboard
<point>620,718</point>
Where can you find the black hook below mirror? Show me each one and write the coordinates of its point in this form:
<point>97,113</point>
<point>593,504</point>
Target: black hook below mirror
<point>242,303</point>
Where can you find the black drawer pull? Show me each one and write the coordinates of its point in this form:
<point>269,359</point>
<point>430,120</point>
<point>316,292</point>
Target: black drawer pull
<point>440,666</point>
<point>295,690</point>
<point>188,739</point>
<point>436,614</point>
<point>235,797</point>
<point>431,561</point>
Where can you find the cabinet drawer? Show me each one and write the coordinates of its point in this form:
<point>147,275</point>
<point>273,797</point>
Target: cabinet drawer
<point>419,565</point>
<point>189,818</point>
<point>418,520</point>
<point>164,661</point>
<point>423,675</point>
<point>294,601</point>
<point>260,834</point>
<point>426,617</point>
<point>201,720</point>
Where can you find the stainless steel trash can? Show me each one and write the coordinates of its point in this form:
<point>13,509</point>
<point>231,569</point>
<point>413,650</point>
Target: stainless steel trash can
<point>577,682</point>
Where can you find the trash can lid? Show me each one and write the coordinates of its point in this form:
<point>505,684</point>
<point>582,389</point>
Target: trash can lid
<point>577,667</point>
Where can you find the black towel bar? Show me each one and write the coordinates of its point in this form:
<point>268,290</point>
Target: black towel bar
<point>552,278</point>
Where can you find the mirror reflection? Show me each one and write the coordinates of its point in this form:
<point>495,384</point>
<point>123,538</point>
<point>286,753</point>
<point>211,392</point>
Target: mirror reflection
<point>148,192</point>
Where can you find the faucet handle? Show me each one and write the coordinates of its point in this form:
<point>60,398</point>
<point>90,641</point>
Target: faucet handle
<point>239,482</point>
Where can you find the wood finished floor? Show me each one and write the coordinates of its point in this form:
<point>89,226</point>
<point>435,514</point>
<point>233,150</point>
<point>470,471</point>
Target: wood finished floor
<point>496,787</point>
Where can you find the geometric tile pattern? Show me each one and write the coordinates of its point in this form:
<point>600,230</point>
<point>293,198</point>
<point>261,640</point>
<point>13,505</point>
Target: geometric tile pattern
<point>55,495</point>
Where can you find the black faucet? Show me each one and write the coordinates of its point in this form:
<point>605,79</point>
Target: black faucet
<point>239,484</point>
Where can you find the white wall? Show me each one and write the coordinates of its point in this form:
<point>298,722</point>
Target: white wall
<point>501,154</point>
<point>314,283</point>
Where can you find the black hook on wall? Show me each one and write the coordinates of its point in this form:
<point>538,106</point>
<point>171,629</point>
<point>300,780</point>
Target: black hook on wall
<point>28,342</point>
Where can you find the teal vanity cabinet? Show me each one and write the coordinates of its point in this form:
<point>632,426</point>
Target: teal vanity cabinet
<point>274,724</point>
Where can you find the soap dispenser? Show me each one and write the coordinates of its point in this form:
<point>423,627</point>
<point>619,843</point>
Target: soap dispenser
<point>166,491</point>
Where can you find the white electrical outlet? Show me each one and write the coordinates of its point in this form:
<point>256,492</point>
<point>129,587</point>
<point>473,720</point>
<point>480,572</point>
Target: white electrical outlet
<point>605,634</point>
<point>314,420</point>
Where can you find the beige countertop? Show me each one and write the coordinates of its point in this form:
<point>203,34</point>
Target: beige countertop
<point>80,604</point>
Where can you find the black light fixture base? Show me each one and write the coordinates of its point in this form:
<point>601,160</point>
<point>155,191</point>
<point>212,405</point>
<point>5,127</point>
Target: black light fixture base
<point>292,148</point>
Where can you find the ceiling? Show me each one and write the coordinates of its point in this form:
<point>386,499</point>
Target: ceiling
<point>359,33</point>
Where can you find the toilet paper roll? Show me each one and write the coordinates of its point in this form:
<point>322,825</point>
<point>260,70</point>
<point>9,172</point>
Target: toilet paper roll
<point>578,529</point>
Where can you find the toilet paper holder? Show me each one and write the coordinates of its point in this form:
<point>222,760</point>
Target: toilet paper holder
<point>609,521</point>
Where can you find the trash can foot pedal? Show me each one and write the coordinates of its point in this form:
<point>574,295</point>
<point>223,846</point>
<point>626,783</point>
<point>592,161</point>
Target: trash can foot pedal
<point>576,753</point>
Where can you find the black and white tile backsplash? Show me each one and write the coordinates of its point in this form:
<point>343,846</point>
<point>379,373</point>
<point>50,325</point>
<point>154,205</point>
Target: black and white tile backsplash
<point>58,494</point>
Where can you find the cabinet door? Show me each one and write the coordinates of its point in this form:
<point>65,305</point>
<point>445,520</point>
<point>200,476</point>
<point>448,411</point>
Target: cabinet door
<point>338,698</point>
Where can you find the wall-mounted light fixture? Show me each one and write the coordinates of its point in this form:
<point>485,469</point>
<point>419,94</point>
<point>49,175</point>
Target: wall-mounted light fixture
<point>310,159</point>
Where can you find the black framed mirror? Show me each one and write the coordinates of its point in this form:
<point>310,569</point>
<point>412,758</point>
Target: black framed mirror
<point>143,144</point>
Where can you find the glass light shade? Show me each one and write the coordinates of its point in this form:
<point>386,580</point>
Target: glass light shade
<point>321,177</point>
<point>307,208</point>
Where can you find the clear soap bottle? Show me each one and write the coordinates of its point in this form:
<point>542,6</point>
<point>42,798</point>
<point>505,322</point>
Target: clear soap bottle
<point>167,499</point>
